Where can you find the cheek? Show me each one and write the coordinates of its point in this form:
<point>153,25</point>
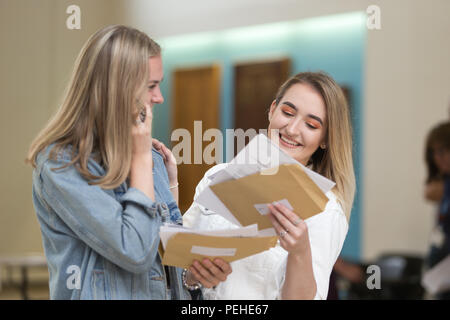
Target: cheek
<point>313,138</point>
<point>277,121</point>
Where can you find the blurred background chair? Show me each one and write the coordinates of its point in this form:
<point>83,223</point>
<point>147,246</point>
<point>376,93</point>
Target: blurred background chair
<point>23,264</point>
<point>400,278</point>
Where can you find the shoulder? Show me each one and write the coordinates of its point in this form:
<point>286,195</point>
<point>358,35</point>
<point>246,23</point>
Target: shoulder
<point>62,155</point>
<point>333,203</point>
<point>208,176</point>
<point>194,217</point>
<point>211,171</point>
<point>332,217</point>
<point>50,159</point>
<point>56,165</point>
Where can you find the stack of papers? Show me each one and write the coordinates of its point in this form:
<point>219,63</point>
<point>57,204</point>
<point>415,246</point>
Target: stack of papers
<point>184,245</point>
<point>260,174</point>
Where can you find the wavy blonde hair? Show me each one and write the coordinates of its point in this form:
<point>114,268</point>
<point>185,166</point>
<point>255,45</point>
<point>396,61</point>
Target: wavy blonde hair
<point>100,104</point>
<point>335,162</point>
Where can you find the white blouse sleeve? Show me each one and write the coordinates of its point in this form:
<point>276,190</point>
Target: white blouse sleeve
<point>327,232</point>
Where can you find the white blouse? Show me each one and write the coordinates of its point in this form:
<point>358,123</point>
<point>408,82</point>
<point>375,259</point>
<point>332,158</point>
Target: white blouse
<point>261,276</point>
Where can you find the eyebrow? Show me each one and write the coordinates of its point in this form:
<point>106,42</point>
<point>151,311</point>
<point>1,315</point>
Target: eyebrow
<point>156,81</point>
<point>290,104</point>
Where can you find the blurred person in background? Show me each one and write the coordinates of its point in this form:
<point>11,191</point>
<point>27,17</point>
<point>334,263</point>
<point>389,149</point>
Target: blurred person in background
<point>437,189</point>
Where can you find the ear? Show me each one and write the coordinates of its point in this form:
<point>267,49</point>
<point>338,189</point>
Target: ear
<point>323,144</point>
<point>272,109</point>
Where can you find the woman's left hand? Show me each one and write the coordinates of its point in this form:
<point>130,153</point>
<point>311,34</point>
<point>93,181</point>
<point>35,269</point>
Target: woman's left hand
<point>209,272</point>
<point>292,230</point>
<point>169,161</point>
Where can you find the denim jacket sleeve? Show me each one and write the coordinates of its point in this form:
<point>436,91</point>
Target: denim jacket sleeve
<point>124,231</point>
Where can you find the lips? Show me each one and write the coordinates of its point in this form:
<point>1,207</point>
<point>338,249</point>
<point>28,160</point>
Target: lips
<point>289,142</point>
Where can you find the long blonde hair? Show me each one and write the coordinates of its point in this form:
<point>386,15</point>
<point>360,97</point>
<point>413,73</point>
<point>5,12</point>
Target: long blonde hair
<point>100,104</point>
<point>335,162</point>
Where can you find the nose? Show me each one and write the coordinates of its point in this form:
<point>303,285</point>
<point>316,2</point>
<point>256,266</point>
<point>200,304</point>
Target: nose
<point>157,97</point>
<point>293,127</point>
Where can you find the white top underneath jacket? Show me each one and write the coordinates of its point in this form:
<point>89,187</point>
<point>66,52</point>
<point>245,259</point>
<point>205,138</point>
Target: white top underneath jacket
<point>261,276</point>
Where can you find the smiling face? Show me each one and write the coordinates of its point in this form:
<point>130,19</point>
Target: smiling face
<point>300,117</point>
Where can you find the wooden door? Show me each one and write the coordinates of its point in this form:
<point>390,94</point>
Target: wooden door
<point>196,97</point>
<point>256,84</point>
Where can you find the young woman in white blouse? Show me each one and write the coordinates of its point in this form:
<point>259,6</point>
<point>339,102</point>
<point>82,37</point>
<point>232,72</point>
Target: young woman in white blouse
<point>311,113</point>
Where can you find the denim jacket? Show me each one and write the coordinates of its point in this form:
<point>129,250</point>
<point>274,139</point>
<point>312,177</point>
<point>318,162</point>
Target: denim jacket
<point>103,244</point>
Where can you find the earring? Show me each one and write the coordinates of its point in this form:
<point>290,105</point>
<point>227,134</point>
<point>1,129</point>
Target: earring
<point>323,145</point>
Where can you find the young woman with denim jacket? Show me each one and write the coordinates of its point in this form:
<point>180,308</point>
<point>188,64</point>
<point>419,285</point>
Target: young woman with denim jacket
<point>100,190</point>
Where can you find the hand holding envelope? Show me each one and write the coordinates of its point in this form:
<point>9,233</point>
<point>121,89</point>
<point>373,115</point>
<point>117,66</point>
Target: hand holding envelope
<point>241,193</point>
<point>247,198</point>
<point>259,175</point>
<point>182,245</point>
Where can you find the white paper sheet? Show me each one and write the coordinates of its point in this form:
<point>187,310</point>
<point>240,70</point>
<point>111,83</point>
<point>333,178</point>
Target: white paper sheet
<point>169,230</point>
<point>262,153</point>
<point>213,252</point>
<point>264,209</point>
<point>259,154</point>
<point>208,199</point>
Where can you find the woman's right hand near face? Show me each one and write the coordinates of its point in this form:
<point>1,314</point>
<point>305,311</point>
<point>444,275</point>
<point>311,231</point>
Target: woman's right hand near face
<point>142,134</point>
<point>141,173</point>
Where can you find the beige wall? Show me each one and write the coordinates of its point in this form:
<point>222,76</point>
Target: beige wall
<point>37,53</point>
<point>407,92</point>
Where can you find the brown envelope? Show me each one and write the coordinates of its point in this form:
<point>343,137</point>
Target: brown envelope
<point>290,182</point>
<point>179,248</point>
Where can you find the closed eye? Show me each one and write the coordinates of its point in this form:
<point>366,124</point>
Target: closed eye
<point>287,113</point>
<point>311,126</point>
<point>288,110</point>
